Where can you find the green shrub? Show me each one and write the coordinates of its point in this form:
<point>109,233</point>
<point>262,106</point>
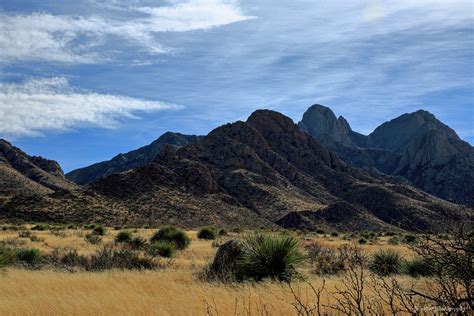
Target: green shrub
<point>386,262</point>
<point>172,234</point>
<point>137,243</point>
<point>93,239</point>
<point>24,234</point>
<point>222,232</point>
<point>99,230</point>
<point>389,234</point>
<point>410,239</point>
<point>29,256</point>
<point>362,241</point>
<point>162,248</point>
<point>334,234</point>
<point>71,226</point>
<point>320,231</point>
<point>269,256</point>
<point>7,256</point>
<point>393,241</point>
<point>418,267</point>
<point>207,233</point>
<point>123,236</point>
<point>40,227</point>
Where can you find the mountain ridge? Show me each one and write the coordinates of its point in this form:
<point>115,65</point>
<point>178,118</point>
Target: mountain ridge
<point>415,146</point>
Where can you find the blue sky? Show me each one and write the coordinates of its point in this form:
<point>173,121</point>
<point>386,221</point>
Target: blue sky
<point>81,81</point>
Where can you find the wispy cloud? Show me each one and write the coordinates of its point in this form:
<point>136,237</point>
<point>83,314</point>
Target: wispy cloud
<point>85,39</point>
<point>51,104</point>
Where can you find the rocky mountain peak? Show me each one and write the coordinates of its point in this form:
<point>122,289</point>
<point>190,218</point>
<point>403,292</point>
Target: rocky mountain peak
<point>320,122</point>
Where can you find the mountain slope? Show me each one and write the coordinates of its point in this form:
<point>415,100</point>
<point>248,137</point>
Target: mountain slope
<point>34,189</point>
<point>260,171</point>
<point>130,160</point>
<point>23,173</point>
<point>415,146</point>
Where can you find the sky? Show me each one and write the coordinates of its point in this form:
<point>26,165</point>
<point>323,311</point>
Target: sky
<point>81,81</point>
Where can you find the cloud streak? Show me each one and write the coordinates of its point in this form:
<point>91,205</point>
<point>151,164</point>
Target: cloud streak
<point>85,39</point>
<point>51,104</point>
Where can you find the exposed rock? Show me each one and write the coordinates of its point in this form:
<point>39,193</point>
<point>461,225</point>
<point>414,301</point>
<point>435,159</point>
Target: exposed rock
<point>415,146</point>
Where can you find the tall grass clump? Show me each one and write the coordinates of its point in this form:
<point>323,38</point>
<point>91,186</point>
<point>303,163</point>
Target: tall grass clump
<point>172,234</point>
<point>386,262</point>
<point>270,256</point>
<point>208,233</point>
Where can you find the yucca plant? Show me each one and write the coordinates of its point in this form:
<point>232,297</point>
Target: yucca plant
<point>123,236</point>
<point>270,256</point>
<point>386,262</point>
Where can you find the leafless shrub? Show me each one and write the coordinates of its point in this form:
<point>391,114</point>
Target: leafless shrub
<point>452,260</point>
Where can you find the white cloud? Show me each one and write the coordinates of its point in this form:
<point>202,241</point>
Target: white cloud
<point>39,105</point>
<point>80,39</point>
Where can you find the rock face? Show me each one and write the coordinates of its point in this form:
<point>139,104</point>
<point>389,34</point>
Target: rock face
<point>415,146</point>
<point>259,172</point>
<point>130,160</point>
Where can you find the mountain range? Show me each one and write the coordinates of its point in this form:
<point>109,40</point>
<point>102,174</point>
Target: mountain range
<point>416,147</point>
<point>266,171</point>
<point>130,160</point>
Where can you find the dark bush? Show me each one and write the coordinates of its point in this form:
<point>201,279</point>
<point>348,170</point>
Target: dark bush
<point>99,230</point>
<point>410,239</point>
<point>162,248</point>
<point>386,262</point>
<point>393,241</point>
<point>267,256</point>
<point>123,236</point>
<point>334,234</point>
<point>172,234</point>
<point>24,234</point>
<point>207,233</point>
<point>93,239</point>
<point>222,232</point>
<point>111,258</point>
<point>71,226</point>
<point>29,256</point>
<point>362,241</point>
<point>138,243</point>
<point>320,231</point>
<point>73,259</point>
<point>418,267</point>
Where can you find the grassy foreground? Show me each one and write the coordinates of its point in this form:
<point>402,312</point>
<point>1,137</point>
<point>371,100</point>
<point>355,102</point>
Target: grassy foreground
<point>174,289</point>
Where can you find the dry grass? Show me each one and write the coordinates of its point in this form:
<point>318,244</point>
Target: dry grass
<point>175,290</point>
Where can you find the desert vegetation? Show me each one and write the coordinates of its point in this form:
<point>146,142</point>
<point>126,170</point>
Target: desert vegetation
<point>52,269</point>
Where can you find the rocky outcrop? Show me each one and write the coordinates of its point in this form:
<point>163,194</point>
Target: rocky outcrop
<point>415,146</point>
<point>133,159</point>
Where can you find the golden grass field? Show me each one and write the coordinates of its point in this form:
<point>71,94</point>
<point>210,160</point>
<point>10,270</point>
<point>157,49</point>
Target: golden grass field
<point>174,290</point>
